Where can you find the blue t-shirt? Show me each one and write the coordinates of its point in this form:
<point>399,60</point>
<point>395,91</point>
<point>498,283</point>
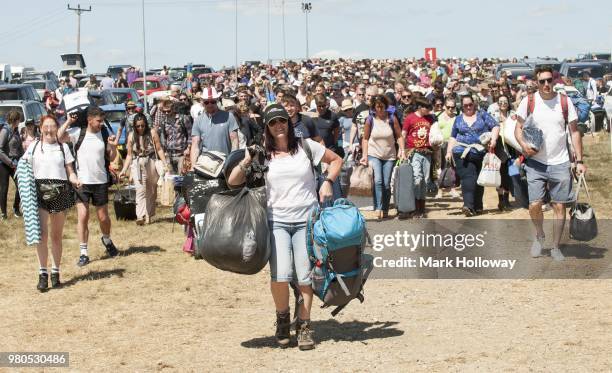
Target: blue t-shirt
<point>305,127</point>
<point>471,134</point>
<point>214,132</point>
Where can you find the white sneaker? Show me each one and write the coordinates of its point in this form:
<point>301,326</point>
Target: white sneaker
<point>536,247</point>
<point>556,254</point>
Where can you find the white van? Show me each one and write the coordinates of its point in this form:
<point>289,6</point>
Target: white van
<point>18,72</point>
<point>5,72</point>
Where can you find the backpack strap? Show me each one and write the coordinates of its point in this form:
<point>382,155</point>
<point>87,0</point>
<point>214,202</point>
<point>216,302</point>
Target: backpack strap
<point>308,152</point>
<point>563,100</point>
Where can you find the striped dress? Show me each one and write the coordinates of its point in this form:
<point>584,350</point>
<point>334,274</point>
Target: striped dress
<point>29,204</point>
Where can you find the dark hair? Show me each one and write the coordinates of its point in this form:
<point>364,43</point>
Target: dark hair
<point>379,99</point>
<point>543,69</point>
<point>292,141</point>
<point>290,98</point>
<point>422,102</point>
<point>94,111</point>
<point>463,97</point>
<point>320,100</point>
<point>147,131</point>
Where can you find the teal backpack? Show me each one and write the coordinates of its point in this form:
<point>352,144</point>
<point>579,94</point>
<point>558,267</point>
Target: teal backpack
<point>336,237</point>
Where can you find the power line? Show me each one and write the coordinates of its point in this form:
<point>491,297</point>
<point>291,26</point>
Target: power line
<point>30,30</point>
<point>27,25</point>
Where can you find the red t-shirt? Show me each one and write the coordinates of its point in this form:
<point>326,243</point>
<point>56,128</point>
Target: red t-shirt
<point>417,130</point>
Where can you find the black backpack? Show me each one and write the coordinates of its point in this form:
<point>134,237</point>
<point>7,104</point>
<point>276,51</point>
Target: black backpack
<point>105,134</point>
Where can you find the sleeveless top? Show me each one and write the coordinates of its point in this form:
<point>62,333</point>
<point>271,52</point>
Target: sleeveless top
<point>148,150</point>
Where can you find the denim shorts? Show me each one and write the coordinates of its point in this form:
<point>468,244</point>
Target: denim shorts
<point>555,179</point>
<point>289,259</point>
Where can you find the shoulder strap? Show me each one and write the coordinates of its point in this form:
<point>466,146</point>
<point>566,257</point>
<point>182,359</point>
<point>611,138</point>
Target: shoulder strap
<point>308,152</point>
<point>563,99</point>
<point>530,104</point>
<point>82,133</point>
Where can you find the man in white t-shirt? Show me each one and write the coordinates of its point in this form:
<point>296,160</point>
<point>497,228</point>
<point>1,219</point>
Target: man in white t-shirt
<point>548,169</point>
<point>93,149</point>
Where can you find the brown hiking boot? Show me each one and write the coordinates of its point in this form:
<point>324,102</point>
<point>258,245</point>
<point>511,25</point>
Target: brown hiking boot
<point>283,326</point>
<point>304,335</point>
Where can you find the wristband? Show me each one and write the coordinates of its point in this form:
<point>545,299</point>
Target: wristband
<point>579,162</point>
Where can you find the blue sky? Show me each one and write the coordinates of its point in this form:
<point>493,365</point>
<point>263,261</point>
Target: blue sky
<point>202,31</point>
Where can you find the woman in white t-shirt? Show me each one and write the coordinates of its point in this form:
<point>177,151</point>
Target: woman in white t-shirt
<point>52,163</point>
<point>291,194</point>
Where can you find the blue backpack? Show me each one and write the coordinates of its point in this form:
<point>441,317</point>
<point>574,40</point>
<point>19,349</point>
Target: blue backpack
<point>336,237</point>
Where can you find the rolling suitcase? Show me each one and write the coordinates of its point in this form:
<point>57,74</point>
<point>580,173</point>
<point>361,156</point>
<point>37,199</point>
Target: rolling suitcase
<point>403,189</point>
<point>124,202</point>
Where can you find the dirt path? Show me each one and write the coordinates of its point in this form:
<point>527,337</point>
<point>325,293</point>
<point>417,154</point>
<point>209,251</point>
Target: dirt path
<point>154,308</point>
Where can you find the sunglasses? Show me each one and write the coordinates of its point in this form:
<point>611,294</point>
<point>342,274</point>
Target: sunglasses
<point>274,122</point>
<point>140,126</point>
<point>360,94</point>
<point>451,107</point>
<point>407,96</point>
<point>183,99</point>
<point>166,111</point>
<point>210,102</point>
<point>544,81</point>
<point>468,105</point>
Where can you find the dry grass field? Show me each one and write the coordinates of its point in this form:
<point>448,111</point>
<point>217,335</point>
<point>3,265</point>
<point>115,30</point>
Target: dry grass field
<point>153,308</point>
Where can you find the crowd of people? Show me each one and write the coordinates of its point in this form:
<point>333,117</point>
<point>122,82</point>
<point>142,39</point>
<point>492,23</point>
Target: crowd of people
<point>371,112</point>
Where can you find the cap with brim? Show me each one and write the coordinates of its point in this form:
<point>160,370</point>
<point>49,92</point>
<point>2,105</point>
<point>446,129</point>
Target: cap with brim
<point>130,104</point>
<point>275,111</point>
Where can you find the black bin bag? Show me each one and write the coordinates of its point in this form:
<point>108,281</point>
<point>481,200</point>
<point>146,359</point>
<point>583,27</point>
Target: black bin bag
<point>236,236</point>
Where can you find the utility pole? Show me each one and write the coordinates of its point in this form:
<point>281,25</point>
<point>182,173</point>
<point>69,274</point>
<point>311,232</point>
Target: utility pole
<point>284,42</point>
<point>78,10</point>
<point>144,60</point>
<point>268,32</point>
<point>306,8</point>
<point>236,38</point>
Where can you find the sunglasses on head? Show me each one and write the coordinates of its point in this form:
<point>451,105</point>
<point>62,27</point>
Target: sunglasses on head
<point>275,121</point>
<point>210,102</point>
<point>544,81</point>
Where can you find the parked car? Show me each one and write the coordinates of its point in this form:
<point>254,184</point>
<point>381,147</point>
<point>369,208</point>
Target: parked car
<point>84,80</point>
<point>515,69</point>
<point>28,109</point>
<point>155,83</point>
<point>18,73</point>
<point>23,92</point>
<point>178,73</point>
<point>574,69</point>
<point>114,114</point>
<point>607,65</point>
<point>119,95</point>
<point>595,56</point>
<point>42,85</point>
<point>537,62</point>
<point>115,70</point>
<point>41,75</point>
